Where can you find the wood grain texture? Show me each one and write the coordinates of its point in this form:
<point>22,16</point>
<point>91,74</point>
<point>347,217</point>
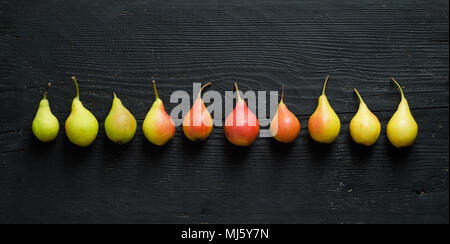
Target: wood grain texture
<point>122,45</point>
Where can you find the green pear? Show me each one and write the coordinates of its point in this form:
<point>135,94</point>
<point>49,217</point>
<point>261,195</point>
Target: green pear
<point>120,125</point>
<point>402,129</point>
<point>81,126</point>
<point>45,124</point>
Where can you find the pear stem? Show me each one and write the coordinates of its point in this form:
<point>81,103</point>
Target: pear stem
<point>156,91</point>
<point>237,91</point>
<point>360,98</point>
<point>115,96</point>
<point>203,87</point>
<point>46,90</point>
<point>282,93</point>
<point>76,85</point>
<point>325,84</point>
<point>399,87</point>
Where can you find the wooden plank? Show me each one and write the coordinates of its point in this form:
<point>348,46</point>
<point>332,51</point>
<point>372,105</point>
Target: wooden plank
<point>121,46</point>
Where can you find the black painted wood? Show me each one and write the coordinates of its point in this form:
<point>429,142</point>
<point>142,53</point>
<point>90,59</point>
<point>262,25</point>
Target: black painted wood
<point>122,45</point>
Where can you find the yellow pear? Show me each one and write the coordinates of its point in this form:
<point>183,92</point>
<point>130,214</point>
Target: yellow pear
<point>365,127</point>
<point>45,125</point>
<point>402,128</point>
<point>158,126</point>
<point>81,126</point>
<point>324,124</point>
<point>120,125</point>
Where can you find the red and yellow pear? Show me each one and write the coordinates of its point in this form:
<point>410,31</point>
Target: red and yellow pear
<point>198,123</point>
<point>365,127</point>
<point>158,126</point>
<point>241,125</point>
<point>324,124</point>
<point>402,129</point>
<point>285,126</point>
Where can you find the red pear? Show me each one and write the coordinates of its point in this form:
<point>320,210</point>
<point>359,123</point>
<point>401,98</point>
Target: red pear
<point>198,124</point>
<point>285,126</point>
<point>241,125</point>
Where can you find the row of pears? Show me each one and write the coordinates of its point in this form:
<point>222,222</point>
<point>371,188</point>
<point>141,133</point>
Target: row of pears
<point>241,125</point>
<point>401,130</point>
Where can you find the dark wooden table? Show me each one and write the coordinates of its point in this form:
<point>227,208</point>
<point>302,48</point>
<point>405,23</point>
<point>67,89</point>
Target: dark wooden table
<point>122,45</point>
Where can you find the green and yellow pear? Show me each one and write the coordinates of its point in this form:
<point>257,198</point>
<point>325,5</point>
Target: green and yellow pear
<point>158,126</point>
<point>365,127</point>
<point>120,125</point>
<point>81,126</point>
<point>45,125</point>
<point>324,124</point>
<point>402,128</point>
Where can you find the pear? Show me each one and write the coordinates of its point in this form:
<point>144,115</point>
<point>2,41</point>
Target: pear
<point>241,125</point>
<point>81,126</point>
<point>285,126</point>
<point>158,126</point>
<point>198,124</point>
<point>45,125</point>
<point>324,124</point>
<point>364,127</point>
<point>402,128</point>
<point>120,125</point>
